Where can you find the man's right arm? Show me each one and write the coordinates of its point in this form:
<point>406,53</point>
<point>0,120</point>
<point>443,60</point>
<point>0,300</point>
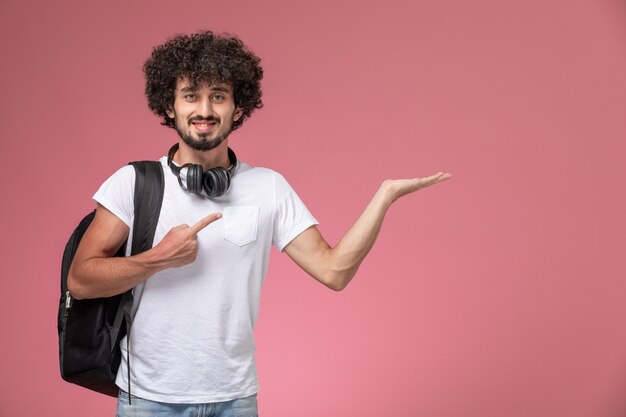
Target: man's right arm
<point>95,272</point>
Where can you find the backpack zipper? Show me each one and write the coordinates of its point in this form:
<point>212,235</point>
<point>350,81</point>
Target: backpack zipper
<point>68,302</point>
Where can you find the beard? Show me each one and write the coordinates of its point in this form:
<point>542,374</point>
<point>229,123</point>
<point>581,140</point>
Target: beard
<point>203,142</point>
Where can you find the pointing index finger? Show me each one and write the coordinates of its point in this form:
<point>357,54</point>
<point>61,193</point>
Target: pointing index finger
<point>202,223</point>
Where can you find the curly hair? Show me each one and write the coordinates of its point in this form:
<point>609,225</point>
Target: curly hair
<point>203,57</point>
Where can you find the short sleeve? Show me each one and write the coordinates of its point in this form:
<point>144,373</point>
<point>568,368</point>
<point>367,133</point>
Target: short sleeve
<point>292,217</point>
<point>116,194</point>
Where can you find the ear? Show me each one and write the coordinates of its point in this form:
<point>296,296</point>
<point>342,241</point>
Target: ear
<point>238,113</point>
<point>170,113</point>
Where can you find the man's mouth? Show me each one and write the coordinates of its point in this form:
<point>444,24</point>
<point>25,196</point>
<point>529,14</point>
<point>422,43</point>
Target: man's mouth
<point>203,125</point>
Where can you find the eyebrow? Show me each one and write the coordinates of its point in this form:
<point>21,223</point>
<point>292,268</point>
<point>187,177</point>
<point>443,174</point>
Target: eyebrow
<point>220,89</point>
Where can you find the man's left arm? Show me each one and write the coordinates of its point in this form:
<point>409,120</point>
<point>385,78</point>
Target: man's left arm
<point>335,267</point>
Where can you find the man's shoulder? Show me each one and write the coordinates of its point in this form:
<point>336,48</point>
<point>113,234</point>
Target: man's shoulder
<point>122,174</point>
<point>260,179</point>
<point>244,169</point>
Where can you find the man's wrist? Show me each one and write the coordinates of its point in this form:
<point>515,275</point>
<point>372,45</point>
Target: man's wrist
<point>385,194</point>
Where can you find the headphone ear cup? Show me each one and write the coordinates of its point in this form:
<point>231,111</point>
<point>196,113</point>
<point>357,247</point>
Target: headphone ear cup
<point>194,178</point>
<point>216,181</point>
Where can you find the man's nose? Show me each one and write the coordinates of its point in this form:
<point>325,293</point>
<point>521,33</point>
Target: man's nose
<point>205,109</point>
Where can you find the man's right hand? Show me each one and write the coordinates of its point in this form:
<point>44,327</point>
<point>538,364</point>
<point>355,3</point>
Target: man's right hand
<point>95,272</point>
<point>180,245</point>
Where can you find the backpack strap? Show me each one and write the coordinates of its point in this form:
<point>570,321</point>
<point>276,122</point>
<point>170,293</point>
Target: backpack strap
<point>148,199</point>
<point>149,186</point>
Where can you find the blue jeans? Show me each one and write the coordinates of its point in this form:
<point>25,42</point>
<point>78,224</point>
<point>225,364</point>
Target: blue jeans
<point>241,407</point>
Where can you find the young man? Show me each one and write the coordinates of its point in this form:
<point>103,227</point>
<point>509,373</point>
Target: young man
<point>196,292</point>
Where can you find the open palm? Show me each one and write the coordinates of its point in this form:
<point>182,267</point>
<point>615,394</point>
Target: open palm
<point>401,187</point>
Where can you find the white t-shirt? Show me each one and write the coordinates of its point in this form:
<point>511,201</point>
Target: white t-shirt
<point>192,333</point>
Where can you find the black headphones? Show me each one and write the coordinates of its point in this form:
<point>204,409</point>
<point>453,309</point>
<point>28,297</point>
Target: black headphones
<point>214,182</point>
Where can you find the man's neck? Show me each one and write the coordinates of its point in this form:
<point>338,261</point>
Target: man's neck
<point>216,157</point>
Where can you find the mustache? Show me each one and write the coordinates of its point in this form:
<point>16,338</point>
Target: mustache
<point>213,119</point>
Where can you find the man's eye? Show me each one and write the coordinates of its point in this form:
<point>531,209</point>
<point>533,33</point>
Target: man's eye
<point>190,96</point>
<point>218,97</point>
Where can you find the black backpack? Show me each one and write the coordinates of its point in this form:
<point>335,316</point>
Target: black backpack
<point>90,330</point>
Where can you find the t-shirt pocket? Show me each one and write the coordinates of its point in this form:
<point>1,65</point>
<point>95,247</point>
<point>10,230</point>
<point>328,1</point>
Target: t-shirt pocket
<point>241,224</point>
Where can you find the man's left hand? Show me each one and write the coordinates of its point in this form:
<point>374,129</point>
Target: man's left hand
<point>398,188</point>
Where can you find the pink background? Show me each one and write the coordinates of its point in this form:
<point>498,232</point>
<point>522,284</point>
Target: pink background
<point>499,293</point>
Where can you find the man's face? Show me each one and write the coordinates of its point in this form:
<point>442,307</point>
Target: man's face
<point>204,114</point>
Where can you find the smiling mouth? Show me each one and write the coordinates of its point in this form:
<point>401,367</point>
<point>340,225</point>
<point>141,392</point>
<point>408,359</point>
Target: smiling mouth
<point>203,126</point>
